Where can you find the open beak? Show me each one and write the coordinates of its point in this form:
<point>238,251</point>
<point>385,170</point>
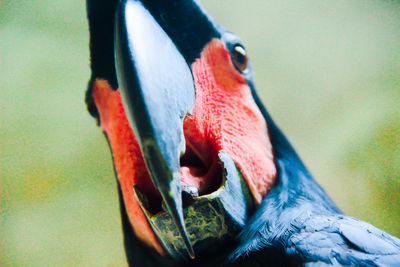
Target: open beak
<point>192,192</point>
<point>157,92</point>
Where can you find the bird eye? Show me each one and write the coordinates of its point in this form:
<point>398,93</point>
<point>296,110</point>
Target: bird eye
<point>239,57</point>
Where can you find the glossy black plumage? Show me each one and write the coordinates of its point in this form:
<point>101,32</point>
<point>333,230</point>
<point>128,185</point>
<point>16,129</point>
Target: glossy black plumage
<point>297,223</point>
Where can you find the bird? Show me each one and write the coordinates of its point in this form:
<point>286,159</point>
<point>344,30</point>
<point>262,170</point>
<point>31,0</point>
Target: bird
<point>205,177</point>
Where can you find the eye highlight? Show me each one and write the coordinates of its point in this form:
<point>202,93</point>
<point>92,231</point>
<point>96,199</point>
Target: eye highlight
<point>239,57</point>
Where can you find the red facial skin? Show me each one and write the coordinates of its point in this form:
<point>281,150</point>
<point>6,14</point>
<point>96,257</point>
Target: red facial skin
<point>225,117</point>
<point>128,160</point>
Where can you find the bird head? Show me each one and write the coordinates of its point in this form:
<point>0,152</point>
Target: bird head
<point>173,93</point>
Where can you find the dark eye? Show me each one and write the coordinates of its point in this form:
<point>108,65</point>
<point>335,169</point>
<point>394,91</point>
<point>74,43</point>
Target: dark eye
<point>239,57</point>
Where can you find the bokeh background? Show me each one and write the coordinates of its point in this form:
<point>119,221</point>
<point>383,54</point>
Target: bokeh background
<point>328,71</point>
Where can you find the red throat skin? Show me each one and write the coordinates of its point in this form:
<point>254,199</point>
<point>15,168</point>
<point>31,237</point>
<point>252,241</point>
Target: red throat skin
<point>128,160</point>
<point>225,117</point>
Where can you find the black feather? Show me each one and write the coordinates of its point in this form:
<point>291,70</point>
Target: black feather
<point>298,224</point>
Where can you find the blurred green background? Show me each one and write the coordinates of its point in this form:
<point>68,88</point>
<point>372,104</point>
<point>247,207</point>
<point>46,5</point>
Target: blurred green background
<point>328,71</point>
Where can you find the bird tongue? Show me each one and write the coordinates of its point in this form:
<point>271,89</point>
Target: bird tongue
<point>196,181</point>
<point>190,176</point>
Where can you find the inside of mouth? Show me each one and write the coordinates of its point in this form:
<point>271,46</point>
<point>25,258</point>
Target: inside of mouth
<point>193,162</point>
<point>201,172</point>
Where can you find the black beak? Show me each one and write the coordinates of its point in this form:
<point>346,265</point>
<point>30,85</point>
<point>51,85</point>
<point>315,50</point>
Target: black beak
<point>157,91</point>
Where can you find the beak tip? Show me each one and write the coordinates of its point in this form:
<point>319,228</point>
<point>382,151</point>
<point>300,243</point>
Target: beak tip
<point>188,245</point>
<point>179,221</point>
<point>171,199</point>
<point>191,253</point>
